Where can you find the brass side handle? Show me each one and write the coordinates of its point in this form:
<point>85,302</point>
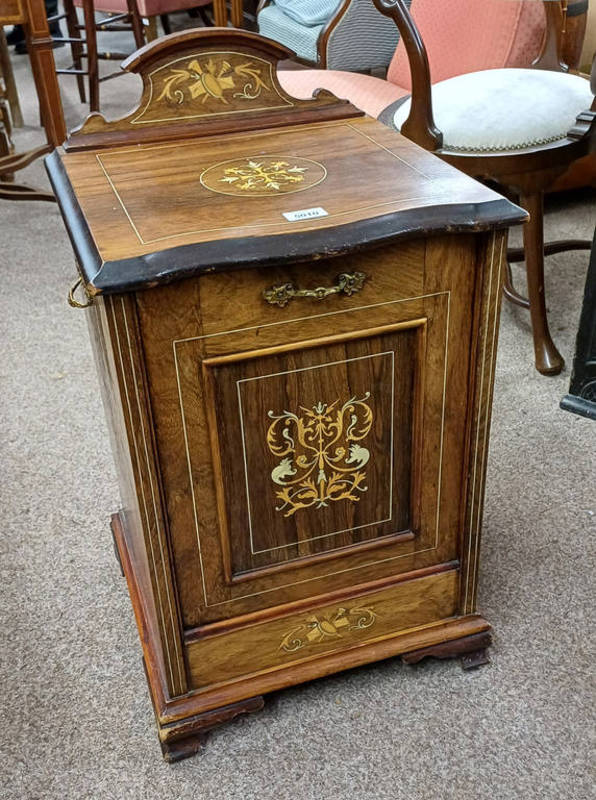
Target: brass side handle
<point>72,301</point>
<point>347,283</point>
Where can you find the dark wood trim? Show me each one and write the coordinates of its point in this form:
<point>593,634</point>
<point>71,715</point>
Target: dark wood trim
<point>165,266</point>
<point>75,223</point>
<point>182,740</point>
<point>327,31</point>
<point>471,650</point>
<point>175,43</point>
<point>340,109</point>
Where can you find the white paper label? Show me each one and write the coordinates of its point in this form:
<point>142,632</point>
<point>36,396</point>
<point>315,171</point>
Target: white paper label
<point>305,213</point>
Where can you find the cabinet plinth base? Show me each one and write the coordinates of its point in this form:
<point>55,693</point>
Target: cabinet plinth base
<point>471,649</point>
<point>183,740</point>
<point>183,721</point>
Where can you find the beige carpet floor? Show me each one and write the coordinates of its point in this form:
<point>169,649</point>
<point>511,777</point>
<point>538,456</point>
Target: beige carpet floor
<point>77,722</point>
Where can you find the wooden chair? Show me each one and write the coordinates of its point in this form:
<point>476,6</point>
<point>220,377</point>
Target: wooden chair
<point>85,47</point>
<point>508,126</point>
<point>31,14</point>
<point>9,87</point>
<point>151,10</point>
<point>123,15</point>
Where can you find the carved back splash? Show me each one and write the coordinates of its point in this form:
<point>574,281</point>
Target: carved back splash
<point>207,81</point>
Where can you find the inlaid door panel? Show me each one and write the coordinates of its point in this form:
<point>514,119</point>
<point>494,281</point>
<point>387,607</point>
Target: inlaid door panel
<point>372,403</point>
<point>314,446</point>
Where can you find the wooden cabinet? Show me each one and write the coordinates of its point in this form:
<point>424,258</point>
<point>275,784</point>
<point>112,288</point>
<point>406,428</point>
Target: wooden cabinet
<point>295,325</point>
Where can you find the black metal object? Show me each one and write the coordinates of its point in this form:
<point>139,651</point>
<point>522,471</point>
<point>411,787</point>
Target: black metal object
<point>582,389</point>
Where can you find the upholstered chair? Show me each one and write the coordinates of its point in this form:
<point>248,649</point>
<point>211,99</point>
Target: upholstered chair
<point>463,87</point>
<point>332,34</point>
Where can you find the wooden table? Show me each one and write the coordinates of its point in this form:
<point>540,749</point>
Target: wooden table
<point>31,14</point>
<point>294,311</point>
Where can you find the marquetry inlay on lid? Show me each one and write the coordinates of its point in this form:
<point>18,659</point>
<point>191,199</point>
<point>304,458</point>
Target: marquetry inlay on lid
<point>218,168</point>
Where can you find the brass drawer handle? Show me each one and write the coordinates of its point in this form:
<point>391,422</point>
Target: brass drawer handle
<point>348,282</point>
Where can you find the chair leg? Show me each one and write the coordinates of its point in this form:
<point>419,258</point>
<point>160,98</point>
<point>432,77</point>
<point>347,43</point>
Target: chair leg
<point>76,48</point>
<point>237,13</point>
<point>151,29</point>
<point>136,23</point>
<point>510,291</point>
<point>9,82</point>
<point>548,359</point>
<point>92,61</point>
<point>165,24</point>
<point>205,18</point>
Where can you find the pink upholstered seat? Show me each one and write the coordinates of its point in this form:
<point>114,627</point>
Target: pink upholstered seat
<point>147,8</point>
<point>461,36</point>
<point>370,94</point>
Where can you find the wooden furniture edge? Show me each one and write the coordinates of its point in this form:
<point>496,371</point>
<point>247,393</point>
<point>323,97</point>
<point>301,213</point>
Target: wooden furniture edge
<point>185,261</point>
<point>84,247</point>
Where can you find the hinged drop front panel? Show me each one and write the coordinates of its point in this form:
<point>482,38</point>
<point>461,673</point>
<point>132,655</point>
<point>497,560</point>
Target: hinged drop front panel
<point>312,446</point>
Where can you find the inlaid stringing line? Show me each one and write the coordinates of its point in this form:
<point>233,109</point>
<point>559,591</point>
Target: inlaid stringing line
<point>182,414</point>
<point>387,150</point>
<point>282,222</point>
<point>109,180</point>
<point>158,529</point>
<point>486,425</point>
<point>443,419</point>
<point>190,474</point>
<point>136,448</point>
<point>304,369</point>
<point>479,406</point>
<point>312,316</point>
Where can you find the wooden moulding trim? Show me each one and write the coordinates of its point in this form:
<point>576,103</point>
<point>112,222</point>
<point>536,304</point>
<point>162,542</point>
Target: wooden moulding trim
<point>262,683</point>
<point>154,668</point>
<point>226,255</point>
<point>321,341</point>
<point>342,109</point>
<point>258,617</point>
<point>96,131</point>
<point>350,549</point>
<point>75,223</point>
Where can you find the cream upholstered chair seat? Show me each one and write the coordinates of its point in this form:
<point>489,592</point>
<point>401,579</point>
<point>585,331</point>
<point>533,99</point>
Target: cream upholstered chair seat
<point>505,109</point>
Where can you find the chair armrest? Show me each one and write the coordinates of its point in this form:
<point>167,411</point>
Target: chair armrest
<point>420,125</point>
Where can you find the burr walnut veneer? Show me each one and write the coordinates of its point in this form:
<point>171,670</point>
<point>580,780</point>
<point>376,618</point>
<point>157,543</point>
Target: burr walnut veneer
<point>294,312</point>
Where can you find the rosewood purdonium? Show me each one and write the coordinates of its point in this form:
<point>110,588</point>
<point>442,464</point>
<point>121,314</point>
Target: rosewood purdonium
<point>294,312</point>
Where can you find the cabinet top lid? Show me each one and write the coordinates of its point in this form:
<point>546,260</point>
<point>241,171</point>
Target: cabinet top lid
<point>285,183</point>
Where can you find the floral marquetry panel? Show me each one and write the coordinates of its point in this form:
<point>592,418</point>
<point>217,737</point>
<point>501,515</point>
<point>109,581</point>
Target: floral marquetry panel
<point>318,446</point>
<point>263,175</point>
<point>215,82</point>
